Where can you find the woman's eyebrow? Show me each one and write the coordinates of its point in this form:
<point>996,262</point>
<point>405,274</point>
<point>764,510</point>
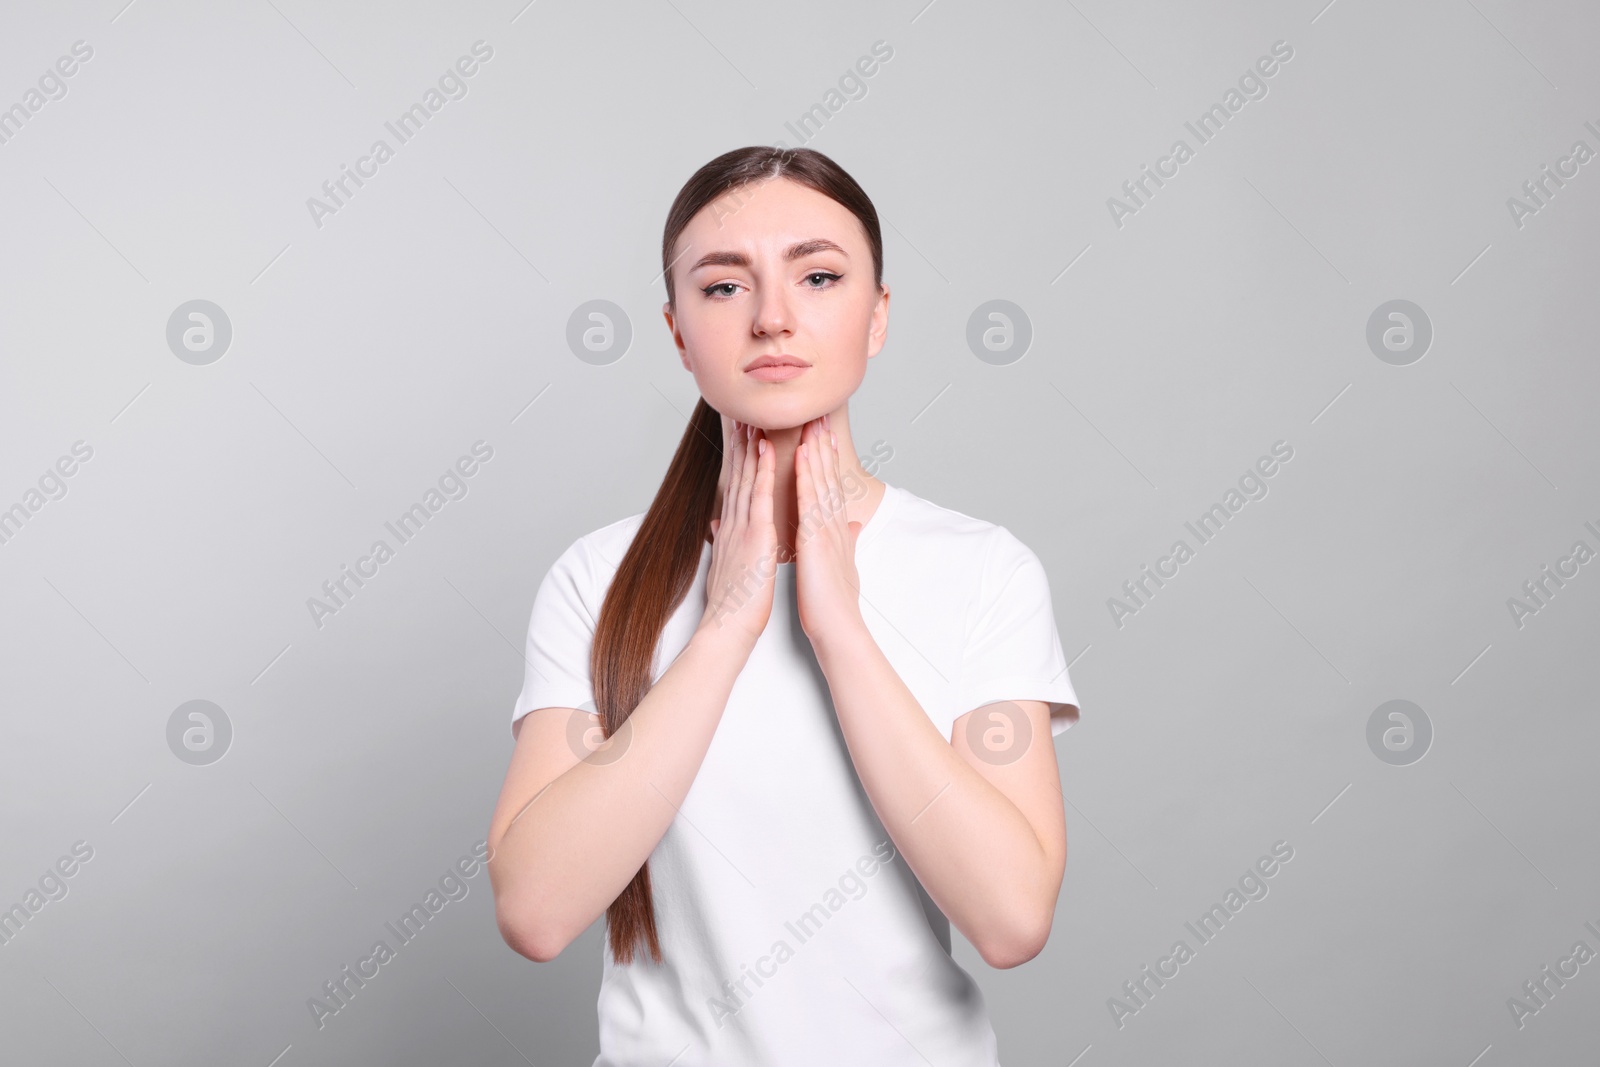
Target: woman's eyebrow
<point>799,250</point>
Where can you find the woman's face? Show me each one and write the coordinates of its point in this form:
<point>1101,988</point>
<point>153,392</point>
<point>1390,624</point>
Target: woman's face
<point>776,269</point>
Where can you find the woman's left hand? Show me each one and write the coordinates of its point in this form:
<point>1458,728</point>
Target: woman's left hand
<point>827,586</point>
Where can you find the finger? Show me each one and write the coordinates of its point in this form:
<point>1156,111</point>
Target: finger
<point>805,493</point>
<point>816,460</point>
<point>830,473</point>
<point>747,473</point>
<point>766,476</point>
<point>827,502</point>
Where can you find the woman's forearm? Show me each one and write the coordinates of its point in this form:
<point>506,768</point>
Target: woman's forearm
<point>973,849</point>
<point>575,846</point>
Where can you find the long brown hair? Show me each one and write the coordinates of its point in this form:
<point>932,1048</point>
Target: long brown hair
<point>660,565</point>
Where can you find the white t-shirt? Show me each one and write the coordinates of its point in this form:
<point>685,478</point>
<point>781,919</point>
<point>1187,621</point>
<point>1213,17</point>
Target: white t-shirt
<point>792,930</point>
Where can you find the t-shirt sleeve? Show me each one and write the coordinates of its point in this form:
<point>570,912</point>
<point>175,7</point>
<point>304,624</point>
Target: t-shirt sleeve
<point>560,635</point>
<point>1013,651</point>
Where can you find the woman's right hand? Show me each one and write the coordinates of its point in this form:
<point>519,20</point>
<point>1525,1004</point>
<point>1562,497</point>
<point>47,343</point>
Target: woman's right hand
<point>744,546</point>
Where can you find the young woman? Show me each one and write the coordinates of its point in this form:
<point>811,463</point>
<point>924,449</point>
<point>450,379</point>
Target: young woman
<point>789,724</point>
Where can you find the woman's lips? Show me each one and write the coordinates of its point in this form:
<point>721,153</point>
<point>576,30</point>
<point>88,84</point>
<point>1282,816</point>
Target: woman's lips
<point>780,373</point>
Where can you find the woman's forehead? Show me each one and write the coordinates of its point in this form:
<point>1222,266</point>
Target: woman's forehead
<point>784,225</point>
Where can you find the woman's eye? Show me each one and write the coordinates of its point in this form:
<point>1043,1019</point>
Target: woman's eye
<point>724,290</point>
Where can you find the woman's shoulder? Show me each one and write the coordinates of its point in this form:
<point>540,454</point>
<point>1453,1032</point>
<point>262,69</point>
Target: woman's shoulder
<point>921,509</point>
<point>978,556</point>
<point>602,547</point>
<point>945,530</point>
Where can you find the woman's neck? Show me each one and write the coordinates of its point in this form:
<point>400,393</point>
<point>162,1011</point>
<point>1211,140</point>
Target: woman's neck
<point>862,492</point>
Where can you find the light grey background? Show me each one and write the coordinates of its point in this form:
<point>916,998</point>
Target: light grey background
<point>1168,354</point>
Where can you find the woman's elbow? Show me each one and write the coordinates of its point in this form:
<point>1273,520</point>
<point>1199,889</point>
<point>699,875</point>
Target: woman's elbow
<point>1016,947</point>
<point>527,938</point>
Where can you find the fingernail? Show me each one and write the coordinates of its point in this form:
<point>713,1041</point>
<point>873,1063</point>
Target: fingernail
<point>761,447</point>
<point>834,438</point>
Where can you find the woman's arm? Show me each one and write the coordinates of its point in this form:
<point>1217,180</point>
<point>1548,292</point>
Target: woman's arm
<point>571,830</point>
<point>568,834</point>
<point>989,845</point>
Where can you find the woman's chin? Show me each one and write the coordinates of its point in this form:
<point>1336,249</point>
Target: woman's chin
<point>782,413</point>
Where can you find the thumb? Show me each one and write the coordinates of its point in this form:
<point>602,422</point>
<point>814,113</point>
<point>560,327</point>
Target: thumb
<point>714,524</point>
<point>855,533</point>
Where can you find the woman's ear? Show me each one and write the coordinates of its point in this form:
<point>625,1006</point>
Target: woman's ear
<point>878,329</point>
<point>677,338</point>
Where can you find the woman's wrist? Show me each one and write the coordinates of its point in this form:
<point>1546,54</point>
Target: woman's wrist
<point>723,639</point>
<point>842,641</point>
